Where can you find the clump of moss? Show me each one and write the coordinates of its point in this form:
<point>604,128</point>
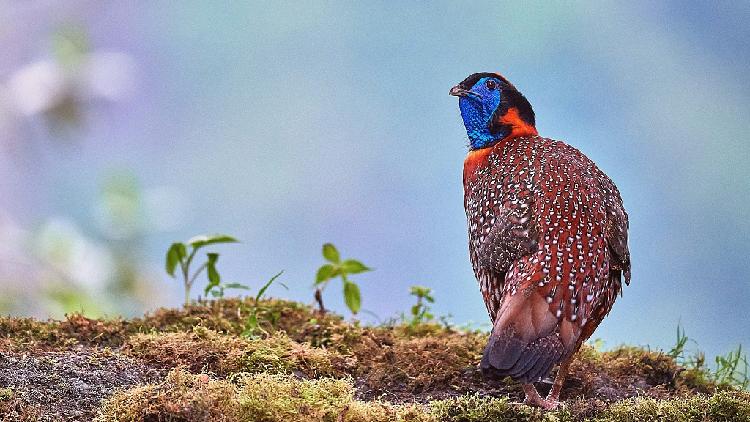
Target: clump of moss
<point>621,373</point>
<point>181,397</point>
<point>722,406</point>
<point>206,350</point>
<point>228,316</point>
<point>474,408</point>
<point>13,408</point>
<point>20,332</point>
<point>259,397</point>
<point>304,353</point>
<point>298,321</point>
<point>416,365</point>
<point>268,397</point>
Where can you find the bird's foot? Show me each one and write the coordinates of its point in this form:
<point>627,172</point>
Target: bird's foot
<point>534,399</point>
<point>553,397</point>
<point>542,403</point>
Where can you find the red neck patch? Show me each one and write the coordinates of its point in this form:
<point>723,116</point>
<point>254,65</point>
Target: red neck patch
<point>518,126</point>
<point>475,159</point>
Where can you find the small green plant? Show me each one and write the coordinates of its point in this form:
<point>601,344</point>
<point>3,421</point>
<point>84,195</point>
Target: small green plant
<point>732,369</point>
<point>420,312</point>
<point>252,327</point>
<point>597,344</point>
<point>679,348</point>
<point>216,288</point>
<point>182,254</point>
<point>342,269</point>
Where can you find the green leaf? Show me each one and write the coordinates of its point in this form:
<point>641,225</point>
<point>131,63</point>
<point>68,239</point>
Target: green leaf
<point>265,287</point>
<point>236,286</point>
<point>352,266</point>
<point>352,296</point>
<point>331,253</point>
<point>213,274</point>
<point>209,239</point>
<point>420,291</point>
<point>175,254</point>
<point>325,273</point>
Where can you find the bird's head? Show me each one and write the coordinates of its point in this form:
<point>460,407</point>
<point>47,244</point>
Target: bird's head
<point>492,110</point>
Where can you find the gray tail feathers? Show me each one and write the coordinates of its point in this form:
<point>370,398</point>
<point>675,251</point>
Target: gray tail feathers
<point>508,355</point>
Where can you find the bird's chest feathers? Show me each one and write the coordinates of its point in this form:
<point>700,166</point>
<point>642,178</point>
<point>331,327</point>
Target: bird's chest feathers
<point>475,162</point>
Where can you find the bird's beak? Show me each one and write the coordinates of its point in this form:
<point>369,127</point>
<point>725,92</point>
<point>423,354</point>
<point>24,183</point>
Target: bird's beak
<point>457,91</point>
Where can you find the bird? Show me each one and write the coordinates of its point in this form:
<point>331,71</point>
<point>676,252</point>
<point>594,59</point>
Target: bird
<point>548,237</point>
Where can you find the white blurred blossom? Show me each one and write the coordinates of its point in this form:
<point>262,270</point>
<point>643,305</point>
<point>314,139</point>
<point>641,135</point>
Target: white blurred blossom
<point>41,87</point>
<point>61,245</point>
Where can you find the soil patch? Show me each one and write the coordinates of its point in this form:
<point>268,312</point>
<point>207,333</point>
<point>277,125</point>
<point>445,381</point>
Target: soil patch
<point>67,385</point>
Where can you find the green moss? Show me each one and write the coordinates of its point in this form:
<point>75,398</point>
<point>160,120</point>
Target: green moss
<point>722,406</point>
<point>259,397</point>
<point>228,316</point>
<point>268,397</point>
<point>473,408</point>
<point>6,394</point>
<point>181,397</point>
<point>12,408</point>
<point>207,350</point>
<point>390,363</point>
<point>656,367</point>
<point>307,365</point>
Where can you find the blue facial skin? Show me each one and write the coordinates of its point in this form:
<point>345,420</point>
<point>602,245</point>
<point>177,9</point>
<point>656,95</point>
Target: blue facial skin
<point>476,111</point>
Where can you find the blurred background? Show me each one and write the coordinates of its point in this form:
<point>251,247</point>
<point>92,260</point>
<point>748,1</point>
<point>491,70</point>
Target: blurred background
<point>126,126</point>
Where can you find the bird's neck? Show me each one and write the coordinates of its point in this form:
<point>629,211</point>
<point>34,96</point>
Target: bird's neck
<point>510,125</point>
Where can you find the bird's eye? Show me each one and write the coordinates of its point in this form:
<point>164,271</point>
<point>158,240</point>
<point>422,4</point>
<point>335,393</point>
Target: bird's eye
<point>491,84</point>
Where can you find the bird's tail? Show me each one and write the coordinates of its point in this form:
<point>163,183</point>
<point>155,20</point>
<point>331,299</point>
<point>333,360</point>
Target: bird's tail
<point>527,340</point>
<point>508,355</point>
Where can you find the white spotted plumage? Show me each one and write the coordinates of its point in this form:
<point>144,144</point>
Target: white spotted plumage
<point>542,216</point>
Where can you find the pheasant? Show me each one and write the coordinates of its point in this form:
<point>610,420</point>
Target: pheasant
<point>548,238</point>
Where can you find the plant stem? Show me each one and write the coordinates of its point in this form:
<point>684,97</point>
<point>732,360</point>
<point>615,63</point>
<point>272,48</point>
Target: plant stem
<point>319,299</point>
<point>185,282</point>
<point>189,282</point>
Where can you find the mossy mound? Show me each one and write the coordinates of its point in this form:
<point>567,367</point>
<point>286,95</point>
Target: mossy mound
<point>195,364</point>
<point>278,398</point>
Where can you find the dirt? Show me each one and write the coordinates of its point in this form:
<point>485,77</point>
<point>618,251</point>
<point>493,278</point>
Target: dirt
<point>70,384</point>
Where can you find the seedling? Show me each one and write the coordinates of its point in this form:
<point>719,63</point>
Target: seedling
<point>182,255</point>
<point>679,347</point>
<point>252,327</point>
<point>217,289</point>
<point>341,269</point>
<point>732,369</point>
<point>420,312</point>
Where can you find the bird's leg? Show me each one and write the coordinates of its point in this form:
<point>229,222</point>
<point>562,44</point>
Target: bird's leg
<point>534,399</point>
<point>554,393</point>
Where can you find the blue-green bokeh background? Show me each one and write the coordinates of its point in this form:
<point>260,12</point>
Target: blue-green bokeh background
<point>290,124</point>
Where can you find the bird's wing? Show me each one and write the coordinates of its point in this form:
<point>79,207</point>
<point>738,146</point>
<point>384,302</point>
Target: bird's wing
<point>497,242</point>
<point>617,229</point>
<point>512,236</point>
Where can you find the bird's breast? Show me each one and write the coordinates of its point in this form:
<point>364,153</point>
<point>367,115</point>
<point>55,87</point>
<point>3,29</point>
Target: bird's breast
<point>475,160</point>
